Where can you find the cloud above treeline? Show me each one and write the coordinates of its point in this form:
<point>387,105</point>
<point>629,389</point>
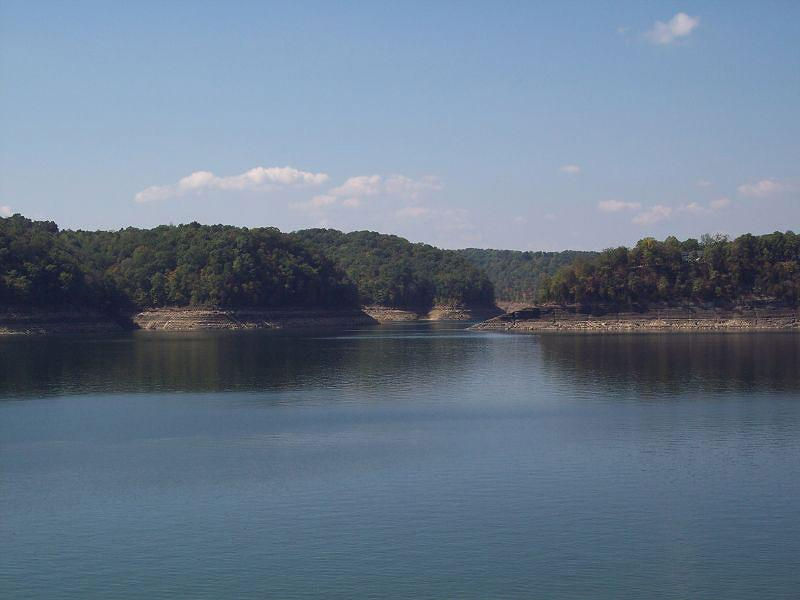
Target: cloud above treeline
<point>617,205</point>
<point>5,211</point>
<point>679,26</point>
<point>357,190</point>
<point>762,189</point>
<point>661,212</point>
<point>256,179</point>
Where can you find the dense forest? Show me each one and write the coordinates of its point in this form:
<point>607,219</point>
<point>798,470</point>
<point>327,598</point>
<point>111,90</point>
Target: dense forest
<point>391,271</point>
<point>202,265</point>
<point>515,274</point>
<point>217,265</point>
<point>166,266</point>
<point>38,269</point>
<point>712,270</point>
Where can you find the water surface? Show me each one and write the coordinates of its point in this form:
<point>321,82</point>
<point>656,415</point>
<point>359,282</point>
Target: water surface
<point>415,460</point>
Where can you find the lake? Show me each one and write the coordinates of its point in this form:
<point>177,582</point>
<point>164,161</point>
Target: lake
<point>400,461</point>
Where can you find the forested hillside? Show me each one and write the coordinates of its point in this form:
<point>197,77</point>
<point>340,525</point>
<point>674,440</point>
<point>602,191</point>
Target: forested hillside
<point>202,265</point>
<point>391,271</point>
<point>515,274</point>
<point>185,265</point>
<point>38,269</point>
<point>224,266</point>
<point>714,269</point>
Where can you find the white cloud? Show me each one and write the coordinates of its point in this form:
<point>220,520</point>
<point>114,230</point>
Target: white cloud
<point>353,192</point>
<point>679,26</point>
<point>360,186</point>
<point>570,169</point>
<point>355,189</point>
<point>703,183</point>
<point>5,211</point>
<point>322,200</point>
<point>412,212</point>
<point>256,179</point>
<point>617,205</point>
<point>654,214</point>
<point>720,203</point>
<point>352,202</point>
<point>762,189</point>
<point>693,208</point>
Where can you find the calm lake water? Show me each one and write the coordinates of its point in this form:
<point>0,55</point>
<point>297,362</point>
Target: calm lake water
<point>407,461</point>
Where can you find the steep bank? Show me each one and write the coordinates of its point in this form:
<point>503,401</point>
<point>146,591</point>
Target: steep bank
<point>570,319</point>
<point>188,319</point>
<point>385,314</point>
<point>28,321</point>
<point>44,321</point>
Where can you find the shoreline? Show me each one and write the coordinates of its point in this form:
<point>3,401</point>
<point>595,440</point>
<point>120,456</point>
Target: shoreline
<point>385,314</point>
<point>545,319</point>
<point>28,321</point>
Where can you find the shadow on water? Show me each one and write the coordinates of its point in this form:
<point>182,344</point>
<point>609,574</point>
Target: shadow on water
<point>401,358</point>
<point>675,363</point>
<point>232,361</point>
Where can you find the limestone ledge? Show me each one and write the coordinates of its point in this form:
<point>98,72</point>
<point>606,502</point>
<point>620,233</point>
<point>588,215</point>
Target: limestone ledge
<point>188,319</point>
<point>556,319</point>
<point>384,314</point>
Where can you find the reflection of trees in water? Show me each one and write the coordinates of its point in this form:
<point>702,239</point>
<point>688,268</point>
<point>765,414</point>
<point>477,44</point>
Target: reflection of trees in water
<point>221,361</point>
<point>675,363</point>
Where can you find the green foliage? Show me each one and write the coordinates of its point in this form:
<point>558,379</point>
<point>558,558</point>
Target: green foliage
<point>713,270</point>
<point>392,271</point>
<point>516,275</point>
<point>37,269</point>
<point>166,266</point>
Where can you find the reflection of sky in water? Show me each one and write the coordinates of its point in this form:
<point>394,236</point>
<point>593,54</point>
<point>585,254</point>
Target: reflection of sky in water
<point>409,356</point>
<point>391,463</point>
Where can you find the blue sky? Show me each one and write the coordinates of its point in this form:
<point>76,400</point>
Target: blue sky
<point>495,124</point>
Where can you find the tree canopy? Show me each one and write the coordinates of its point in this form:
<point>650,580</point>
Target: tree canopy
<point>217,265</point>
<point>224,266</point>
<point>516,275</point>
<point>391,271</point>
<point>711,270</point>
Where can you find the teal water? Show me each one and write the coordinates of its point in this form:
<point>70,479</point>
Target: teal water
<point>408,461</point>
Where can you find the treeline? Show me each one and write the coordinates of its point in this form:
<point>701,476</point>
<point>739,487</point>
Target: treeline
<point>516,275</point>
<point>38,269</point>
<point>390,271</point>
<point>201,265</point>
<point>186,265</point>
<point>712,270</point>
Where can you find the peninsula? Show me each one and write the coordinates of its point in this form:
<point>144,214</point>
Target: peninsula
<point>222,277</point>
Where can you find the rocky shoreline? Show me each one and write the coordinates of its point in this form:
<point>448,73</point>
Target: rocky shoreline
<point>41,322</point>
<point>570,319</point>
<point>384,314</point>
<point>26,321</point>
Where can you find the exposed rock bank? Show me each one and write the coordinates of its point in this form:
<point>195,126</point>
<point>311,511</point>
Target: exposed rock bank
<point>570,319</point>
<point>35,322</point>
<point>29,321</point>
<point>188,319</point>
<point>384,314</point>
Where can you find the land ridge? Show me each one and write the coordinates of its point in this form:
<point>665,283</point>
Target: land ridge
<point>38,321</point>
<point>572,318</point>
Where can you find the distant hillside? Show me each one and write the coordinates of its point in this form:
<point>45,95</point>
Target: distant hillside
<point>391,271</point>
<point>228,267</point>
<point>185,265</point>
<point>238,267</point>
<point>516,275</point>
<point>712,270</point>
